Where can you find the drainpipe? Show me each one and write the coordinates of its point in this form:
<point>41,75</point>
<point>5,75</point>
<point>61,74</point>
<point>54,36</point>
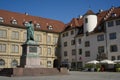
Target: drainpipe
<point>106,41</point>
<point>75,48</point>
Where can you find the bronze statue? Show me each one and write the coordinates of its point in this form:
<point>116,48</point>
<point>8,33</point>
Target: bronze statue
<point>30,31</point>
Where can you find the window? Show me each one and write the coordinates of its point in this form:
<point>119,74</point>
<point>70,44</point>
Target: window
<point>50,27</point>
<point>113,48</point>
<point>112,36</point>
<point>100,37</point>
<point>14,63</point>
<point>72,42</point>
<point>110,24</point>
<point>25,23</point>
<point>101,49</point>
<point>72,32</point>
<point>80,51</point>
<point>65,44</point>
<point>3,33</point>
<point>73,52</point>
<point>40,50</point>
<point>79,40</point>
<point>87,53</point>
<point>37,25</point>
<point>38,37</point>
<point>15,48</point>
<point>55,40</point>
<point>87,44</point>
<point>66,33</point>
<point>2,62</point>
<point>118,57</point>
<point>49,63</point>
<point>2,47</point>
<point>117,22</point>
<point>48,39</point>
<point>1,19</point>
<point>49,51</point>
<point>63,35</point>
<point>14,21</point>
<point>86,20</point>
<point>113,15</point>
<point>65,53</point>
<point>112,57</point>
<point>87,33</point>
<point>15,35</point>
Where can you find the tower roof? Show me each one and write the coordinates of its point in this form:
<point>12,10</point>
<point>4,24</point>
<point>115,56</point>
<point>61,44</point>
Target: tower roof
<point>89,12</point>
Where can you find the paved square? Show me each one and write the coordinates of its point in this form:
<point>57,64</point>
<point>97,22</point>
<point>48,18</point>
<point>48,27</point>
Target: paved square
<point>74,75</point>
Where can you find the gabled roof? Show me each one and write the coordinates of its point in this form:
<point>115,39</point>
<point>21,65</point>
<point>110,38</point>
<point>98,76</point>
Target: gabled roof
<point>58,26</point>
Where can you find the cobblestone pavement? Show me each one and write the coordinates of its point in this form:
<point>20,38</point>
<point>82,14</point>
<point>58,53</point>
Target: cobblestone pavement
<point>73,75</point>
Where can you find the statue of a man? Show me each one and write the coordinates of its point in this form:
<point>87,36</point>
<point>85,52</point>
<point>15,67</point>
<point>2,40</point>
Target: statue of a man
<point>30,31</point>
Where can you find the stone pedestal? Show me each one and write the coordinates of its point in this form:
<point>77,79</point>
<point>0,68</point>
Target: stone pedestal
<point>30,55</point>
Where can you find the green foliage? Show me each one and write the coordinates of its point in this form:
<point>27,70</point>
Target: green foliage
<point>92,65</point>
<point>117,65</point>
<point>98,65</point>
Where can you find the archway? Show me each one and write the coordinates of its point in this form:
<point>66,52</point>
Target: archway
<point>56,63</point>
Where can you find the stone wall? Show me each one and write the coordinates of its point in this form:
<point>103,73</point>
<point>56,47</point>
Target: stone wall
<point>32,71</point>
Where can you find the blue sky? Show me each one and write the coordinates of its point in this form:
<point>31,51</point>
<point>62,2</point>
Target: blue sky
<point>63,10</point>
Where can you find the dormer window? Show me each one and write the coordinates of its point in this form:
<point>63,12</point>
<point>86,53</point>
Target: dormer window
<point>1,19</point>
<point>25,23</point>
<point>114,15</point>
<point>14,21</point>
<point>37,25</point>
<point>50,27</point>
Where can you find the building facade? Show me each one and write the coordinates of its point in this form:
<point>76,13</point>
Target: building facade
<point>13,35</point>
<point>93,36</point>
<point>96,37</point>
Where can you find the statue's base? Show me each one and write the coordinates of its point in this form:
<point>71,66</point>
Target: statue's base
<point>30,56</point>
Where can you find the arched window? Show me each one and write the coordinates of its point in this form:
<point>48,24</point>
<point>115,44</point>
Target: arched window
<point>14,21</point>
<point>2,62</point>
<point>14,63</point>
<point>1,19</point>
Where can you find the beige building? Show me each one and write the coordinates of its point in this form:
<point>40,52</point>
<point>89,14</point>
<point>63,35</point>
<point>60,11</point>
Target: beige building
<point>13,35</point>
<point>93,36</point>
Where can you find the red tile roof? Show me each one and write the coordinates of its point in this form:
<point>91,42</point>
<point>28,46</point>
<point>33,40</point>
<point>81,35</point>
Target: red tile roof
<point>114,14</point>
<point>102,17</point>
<point>58,26</point>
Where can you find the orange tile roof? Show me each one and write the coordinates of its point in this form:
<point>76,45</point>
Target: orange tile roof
<point>58,26</point>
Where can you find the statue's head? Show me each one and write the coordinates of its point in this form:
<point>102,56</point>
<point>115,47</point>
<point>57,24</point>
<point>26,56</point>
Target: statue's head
<point>30,22</point>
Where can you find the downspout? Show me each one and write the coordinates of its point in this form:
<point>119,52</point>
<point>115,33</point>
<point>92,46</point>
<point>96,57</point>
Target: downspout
<point>106,41</point>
